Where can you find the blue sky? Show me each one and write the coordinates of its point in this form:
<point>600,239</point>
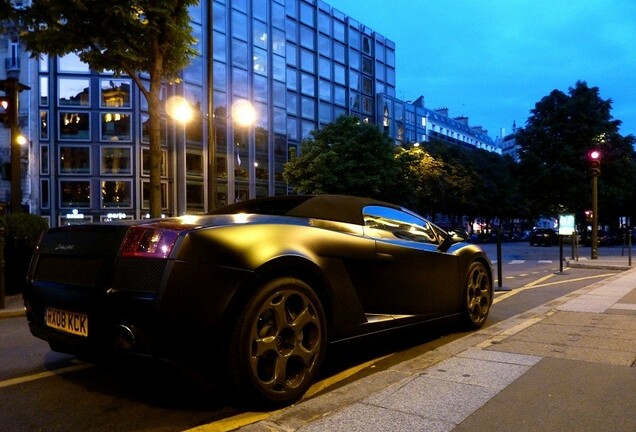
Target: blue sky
<point>493,60</point>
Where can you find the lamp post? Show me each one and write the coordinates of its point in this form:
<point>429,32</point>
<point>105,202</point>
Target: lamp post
<point>179,109</point>
<point>12,89</point>
<point>594,158</point>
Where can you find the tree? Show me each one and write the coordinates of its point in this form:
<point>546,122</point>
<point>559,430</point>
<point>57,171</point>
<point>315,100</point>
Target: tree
<point>150,41</point>
<point>345,157</point>
<point>418,173</point>
<point>554,145</point>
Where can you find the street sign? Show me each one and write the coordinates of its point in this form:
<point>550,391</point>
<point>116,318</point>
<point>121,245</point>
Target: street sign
<point>566,224</point>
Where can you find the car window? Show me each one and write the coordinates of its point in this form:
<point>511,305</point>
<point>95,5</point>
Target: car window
<point>389,223</point>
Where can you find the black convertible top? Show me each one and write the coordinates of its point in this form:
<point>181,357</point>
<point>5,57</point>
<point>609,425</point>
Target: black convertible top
<point>341,208</point>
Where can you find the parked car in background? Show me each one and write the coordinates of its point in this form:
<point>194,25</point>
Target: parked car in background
<point>543,236</point>
<point>256,291</point>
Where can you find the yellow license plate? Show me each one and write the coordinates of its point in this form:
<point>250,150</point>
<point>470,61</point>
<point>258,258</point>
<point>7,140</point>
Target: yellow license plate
<point>69,322</point>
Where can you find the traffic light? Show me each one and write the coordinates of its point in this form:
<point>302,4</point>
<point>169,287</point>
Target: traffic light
<point>594,160</point>
<point>6,114</point>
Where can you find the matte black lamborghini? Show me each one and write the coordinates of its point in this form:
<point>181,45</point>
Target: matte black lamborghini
<point>256,290</point>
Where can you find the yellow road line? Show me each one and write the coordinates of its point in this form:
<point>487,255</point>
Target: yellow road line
<point>538,284</point>
<point>47,374</point>
<point>244,419</point>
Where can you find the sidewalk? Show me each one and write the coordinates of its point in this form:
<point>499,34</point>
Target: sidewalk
<point>13,306</point>
<point>566,365</point>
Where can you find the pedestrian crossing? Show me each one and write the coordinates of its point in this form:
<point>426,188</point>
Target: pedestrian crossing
<point>518,262</point>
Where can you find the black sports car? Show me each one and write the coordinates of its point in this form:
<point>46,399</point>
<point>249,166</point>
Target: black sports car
<point>256,290</point>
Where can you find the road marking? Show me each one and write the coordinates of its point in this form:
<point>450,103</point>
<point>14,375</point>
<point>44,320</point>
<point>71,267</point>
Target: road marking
<point>538,284</point>
<point>47,374</point>
<point>244,419</point>
<point>517,262</point>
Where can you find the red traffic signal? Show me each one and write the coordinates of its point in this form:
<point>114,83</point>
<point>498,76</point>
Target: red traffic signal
<point>5,110</point>
<point>594,159</point>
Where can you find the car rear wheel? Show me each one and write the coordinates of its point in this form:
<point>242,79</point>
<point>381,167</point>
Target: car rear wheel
<point>278,343</point>
<point>477,296</point>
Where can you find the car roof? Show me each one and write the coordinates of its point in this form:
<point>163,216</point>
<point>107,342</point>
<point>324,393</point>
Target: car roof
<point>341,208</point>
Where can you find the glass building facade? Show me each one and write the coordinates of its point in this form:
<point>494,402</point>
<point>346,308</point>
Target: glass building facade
<point>300,63</point>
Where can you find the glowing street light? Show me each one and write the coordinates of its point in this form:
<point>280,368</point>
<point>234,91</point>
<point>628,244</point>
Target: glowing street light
<point>179,109</point>
<point>594,159</point>
<point>243,113</point>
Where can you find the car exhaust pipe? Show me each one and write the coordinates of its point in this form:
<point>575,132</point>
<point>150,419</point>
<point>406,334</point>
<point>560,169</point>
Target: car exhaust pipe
<point>125,336</point>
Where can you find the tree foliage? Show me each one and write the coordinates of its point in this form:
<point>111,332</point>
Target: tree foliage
<point>554,146</point>
<point>150,41</point>
<point>345,157</point>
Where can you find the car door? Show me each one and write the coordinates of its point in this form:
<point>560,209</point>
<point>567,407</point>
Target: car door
<point>414,275</point>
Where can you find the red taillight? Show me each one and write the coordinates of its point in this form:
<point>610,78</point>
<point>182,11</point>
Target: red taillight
<point>149,241</point>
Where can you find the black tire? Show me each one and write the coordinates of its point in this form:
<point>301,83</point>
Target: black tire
<point>278,343</point>
<point>477,297</point>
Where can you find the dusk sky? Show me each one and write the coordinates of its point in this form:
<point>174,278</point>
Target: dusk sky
<point>493,60</point>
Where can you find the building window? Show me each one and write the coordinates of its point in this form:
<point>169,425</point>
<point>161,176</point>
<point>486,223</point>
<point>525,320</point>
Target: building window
<point>74,126</point>
<point>74,92</point>
<point>145,195</point>
<point>116,160</point>
<point>45,195</point>
<point>307,37</point>
<point>260,61</point>
<point>145,129</point>
<point>75,193</point>
<point>145,162</point>
<point>306,14</point>
<point>339,73</point>
<point>194,164</point>
<point>43,62</point>
<point>72,63</point>
<point>308,108</point>
<point>44,91</point>
<point>44,125</point>
<point>115,93</point>
<point>75,160</point>
<point>367,65</point>
<point>44,160</point>
<point>194,197</point>
<point>339,52</point>
<point>308,84</point>
<point>115,126</point>
<point>116,194</point>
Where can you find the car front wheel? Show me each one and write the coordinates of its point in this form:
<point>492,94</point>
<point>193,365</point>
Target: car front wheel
<point>278,343</point>
<point>477,296</point>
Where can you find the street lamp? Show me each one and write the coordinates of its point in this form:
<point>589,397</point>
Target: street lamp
<point>180,109</point>
<point>594,159</point>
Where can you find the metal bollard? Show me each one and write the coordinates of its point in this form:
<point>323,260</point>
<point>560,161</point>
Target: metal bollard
<point>2,290</point>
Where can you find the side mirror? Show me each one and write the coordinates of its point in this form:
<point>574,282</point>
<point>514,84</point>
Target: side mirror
<point>458,236</point>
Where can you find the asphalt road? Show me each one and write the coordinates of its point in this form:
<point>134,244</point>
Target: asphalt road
<point>45,391</point>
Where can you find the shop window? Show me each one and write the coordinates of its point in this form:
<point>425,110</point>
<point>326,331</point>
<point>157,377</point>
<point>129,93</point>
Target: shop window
<point>117,194</point>
<point>75,193</point>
